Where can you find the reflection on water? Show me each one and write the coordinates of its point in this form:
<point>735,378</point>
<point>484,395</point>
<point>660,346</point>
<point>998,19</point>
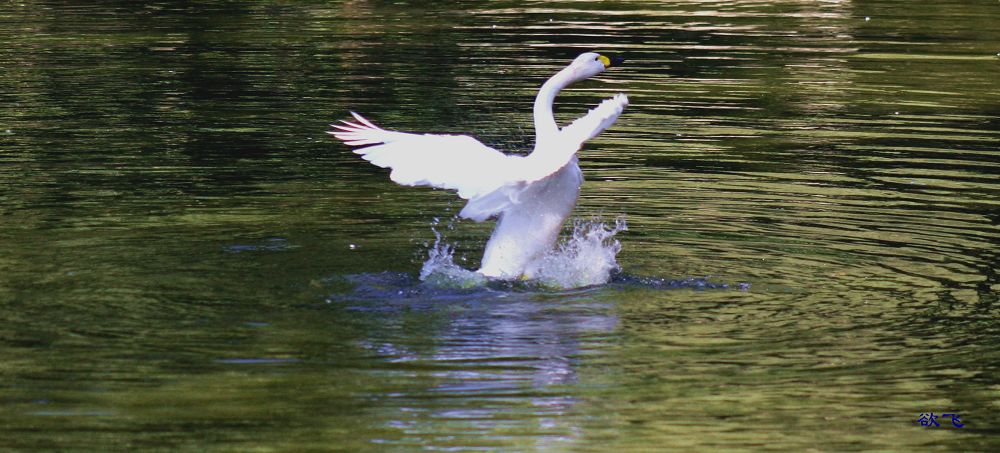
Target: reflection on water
<point>188,263</point>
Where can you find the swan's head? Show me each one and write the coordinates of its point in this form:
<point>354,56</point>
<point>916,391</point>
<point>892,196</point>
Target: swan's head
<point>590,64</point>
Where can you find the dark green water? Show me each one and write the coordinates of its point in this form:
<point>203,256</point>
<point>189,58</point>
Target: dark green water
<point>176,261</point>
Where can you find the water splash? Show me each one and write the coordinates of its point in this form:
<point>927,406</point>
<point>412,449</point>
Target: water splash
<point>585,258</point>
<point>441,271</point>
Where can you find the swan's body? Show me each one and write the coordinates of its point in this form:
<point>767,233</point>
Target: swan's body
<point>532,195</point>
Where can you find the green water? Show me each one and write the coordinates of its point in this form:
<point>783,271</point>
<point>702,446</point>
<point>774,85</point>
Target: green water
<point>188,262</point>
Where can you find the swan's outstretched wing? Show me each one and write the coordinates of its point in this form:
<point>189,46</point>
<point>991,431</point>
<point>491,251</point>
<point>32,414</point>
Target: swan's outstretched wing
<point>556,151</point>
<point>484,176</point>
<point>595,121</point>
<point>457,162</point>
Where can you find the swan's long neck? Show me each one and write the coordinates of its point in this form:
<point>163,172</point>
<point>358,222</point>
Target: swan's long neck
<point>545,121</point>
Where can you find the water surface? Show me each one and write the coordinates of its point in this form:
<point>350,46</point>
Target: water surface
<point>187,262</point>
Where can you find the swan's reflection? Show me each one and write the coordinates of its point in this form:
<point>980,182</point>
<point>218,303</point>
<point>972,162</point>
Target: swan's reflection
<point>487,359</point>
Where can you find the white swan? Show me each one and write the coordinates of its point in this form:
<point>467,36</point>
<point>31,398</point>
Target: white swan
<point>531,195</point>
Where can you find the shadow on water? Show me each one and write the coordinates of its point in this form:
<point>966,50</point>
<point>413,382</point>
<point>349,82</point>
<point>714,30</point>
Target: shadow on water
<point>389,288</point>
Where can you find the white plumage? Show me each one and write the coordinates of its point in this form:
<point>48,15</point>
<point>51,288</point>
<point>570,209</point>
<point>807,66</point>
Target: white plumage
<point>532,195</point>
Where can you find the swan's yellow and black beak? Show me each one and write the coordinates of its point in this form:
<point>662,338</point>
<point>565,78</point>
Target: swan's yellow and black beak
<point>612,61</point>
